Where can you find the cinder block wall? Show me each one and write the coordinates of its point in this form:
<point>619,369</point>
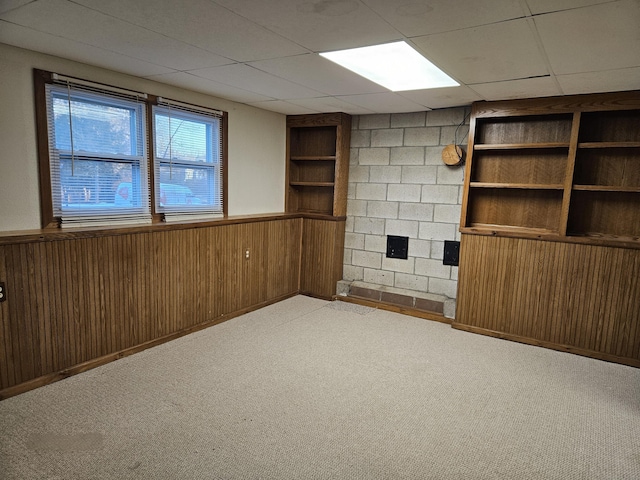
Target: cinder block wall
<point>400,186</point>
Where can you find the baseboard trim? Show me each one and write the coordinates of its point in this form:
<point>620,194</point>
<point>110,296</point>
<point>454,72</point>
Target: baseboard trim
<point>553,346</point>
<point>437,317</point>
<point>97,362</point>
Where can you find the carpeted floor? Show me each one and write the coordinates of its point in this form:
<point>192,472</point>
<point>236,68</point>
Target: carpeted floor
<point>308,389</point>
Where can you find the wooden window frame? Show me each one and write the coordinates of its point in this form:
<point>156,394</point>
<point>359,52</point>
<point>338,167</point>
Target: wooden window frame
<point>48,219</point>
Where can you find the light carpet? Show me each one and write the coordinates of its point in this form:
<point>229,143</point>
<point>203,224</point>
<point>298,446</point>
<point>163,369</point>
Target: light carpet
<point>309,389</point>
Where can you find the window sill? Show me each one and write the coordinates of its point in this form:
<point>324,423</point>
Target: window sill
<point>56,234</point>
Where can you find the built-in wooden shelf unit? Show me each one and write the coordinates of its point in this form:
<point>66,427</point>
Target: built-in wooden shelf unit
<point>541,173</point>
<point>318,163</point>
<point>318,148</point>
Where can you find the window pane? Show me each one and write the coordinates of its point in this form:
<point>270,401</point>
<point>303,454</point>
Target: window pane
<point>180,186</point>
<point>97,127</point>
<point>95,184</point>
<point>179,138</point>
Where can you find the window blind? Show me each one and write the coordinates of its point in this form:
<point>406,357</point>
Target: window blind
<point>187,161</point>
<point>97,154</point>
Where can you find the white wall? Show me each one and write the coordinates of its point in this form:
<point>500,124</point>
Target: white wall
<point>256,166</point>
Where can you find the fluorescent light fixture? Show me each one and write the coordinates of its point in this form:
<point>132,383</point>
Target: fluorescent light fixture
<point>395,66</point>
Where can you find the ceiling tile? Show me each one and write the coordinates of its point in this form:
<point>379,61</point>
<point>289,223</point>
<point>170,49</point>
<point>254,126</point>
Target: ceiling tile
<point>502,51</point>
<point>545,6</point>
<point>608,81</point>
<point>442,97</point>
<point>383,102</point>
<point>594,38</point>
<point>204,24</point>
<point>199,84</point>
<point>414,18</point>
<point>254,80</point>
<point>320,25</point>
<point>281,106</point>
<point>8,5</point>
<point>68,20</point>
<point>318,73</point>
<point>524,88</point>
<point>28,38</point>
<point>330,104</point>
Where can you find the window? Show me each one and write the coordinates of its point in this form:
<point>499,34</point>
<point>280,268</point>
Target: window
<point>103,163</point>
<point>188,158</point>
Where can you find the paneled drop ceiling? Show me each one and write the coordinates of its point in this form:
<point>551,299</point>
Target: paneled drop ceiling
<point>265,52</point>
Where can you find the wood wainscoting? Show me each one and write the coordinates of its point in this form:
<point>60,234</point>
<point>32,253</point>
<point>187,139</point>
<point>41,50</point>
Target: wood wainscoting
<point>322,255</point>
<point>75,301</point>
<point>573,297</point>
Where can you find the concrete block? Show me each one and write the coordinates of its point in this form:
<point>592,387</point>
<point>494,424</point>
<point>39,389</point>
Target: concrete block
<point>370,226</point>
<point>372,191</point>
<point>359,174</point>
<point>418,248</point>
<point>412,282</point>
<point>374,121</point>
<point>375,243</point>
<point>413,119</point>
<point>354,240</point>
<point>438,194</point>
<point>436,231</point>
<point>404,193</point>
<point>379,277</point>
<point>445,116</point>
<point>449,175</point>
<point>346,258</point>
<point>443,287</point>
<point>419,174</point>
<point>382,209</point>
<point>416,211</point>
<point>447,213</point>
<point>437,249</point>
<point>356,208</point>
<point>402,228</point>
<point>342,288</point>
<point>449,308</point>
<point>352,273</point>
<point>398,265</point>
<point>351,191</point>
<point>360,258</point>
<point>454,273</point>
<point>433,155</point>
<point>392,137</point>
<point>407,156</point>
<point>373,156</point>
<point>348,224</point>
<point>448,134</point>
<point>384,174</point>
<point>432,268</point>
<point>360,138</point>
<point>354,154</point>
<point>421,136</point>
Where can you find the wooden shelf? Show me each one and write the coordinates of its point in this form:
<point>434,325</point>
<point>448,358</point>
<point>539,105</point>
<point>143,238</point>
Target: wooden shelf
<point>520,186</point>
<point>312,184</point>
<point>520,146</point>
<point>319,158</point>
<point>606,188</point>
<point>609,145</point>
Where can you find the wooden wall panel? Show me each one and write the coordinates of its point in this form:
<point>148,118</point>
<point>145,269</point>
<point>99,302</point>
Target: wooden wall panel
<point>322,256</point>
<point>72,301</point>
<point>580,298</point>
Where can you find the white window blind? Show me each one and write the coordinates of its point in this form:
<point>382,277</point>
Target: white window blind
<point>97,154</point>
<point>188,161</point>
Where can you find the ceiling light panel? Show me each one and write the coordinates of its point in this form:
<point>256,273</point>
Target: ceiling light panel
<point>395,66</point>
